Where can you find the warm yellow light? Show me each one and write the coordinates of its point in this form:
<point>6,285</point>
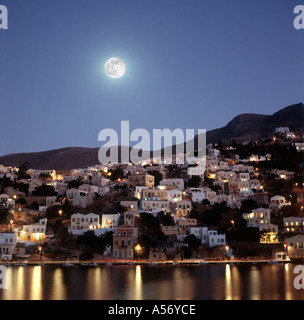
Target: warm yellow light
<point>138,248</point>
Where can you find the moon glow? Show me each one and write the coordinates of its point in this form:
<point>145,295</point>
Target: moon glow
<point>115,68</point>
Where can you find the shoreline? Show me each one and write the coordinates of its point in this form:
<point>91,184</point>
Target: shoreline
<point>140,262</point>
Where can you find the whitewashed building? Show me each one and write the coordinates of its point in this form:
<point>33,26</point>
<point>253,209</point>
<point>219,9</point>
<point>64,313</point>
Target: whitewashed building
<point>257,217</point>
<point>278,202</point>
<point>178,183</point>
<point>34,232</point>
<point>79,197</point>
<point>210,238</point>
<point>8,241</point>
<point>85,221</point>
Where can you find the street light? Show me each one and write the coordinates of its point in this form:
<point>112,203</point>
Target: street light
<point>232,222</point>
<point>60,212</point>
<point>138,249</point>
<point>227,249</point>
<point>11,223</point>
<point>40,252</point>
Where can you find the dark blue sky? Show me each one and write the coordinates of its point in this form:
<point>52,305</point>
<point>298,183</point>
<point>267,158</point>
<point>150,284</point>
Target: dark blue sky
<point>190,64</point>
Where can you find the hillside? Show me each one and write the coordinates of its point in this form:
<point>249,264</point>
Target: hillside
<point>244,127</point>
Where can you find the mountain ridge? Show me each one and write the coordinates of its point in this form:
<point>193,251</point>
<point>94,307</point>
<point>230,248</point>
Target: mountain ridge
<point>243,127</point>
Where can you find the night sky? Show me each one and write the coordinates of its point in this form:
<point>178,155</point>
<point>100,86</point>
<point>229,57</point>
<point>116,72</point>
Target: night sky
<point>190,64</point>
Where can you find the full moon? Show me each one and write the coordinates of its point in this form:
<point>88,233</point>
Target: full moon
<point>115,68</point>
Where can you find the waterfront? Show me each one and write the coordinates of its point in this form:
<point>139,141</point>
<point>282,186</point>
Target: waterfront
<point>186,282</point>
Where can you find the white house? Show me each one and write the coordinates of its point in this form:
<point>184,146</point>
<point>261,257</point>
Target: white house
<point>293,224</point>
<point>79,197</point>
<point>278,202</point>
<point>281,130</point>
<point>58,186</point>
<point>175,195</point>
<point>34,232</point>
<point>210,238</point>
<point>130,204</point>
<point>88,188</point>
<point>257,217</point>
<point>178,183</point>
<point>36,173</point>
<point>224,198</point>
<point>50,201</point>
<point>110,220</point>
<point>295,246</point>
<point>225,175</point>
<point>256,184</point>
<point>100,181</point>
<point>139,191</point>
<point>85,221</point>
<point>197,194</point>
<point>8,241</point>
<point>200,194</point>
<point>6,201</point>
<point>155,205</point>
<point>283,174</point>
<point>199,170</point>
<point>182,208</point>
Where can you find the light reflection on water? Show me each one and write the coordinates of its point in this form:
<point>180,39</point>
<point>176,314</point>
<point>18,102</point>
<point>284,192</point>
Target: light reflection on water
<point>216,282</point>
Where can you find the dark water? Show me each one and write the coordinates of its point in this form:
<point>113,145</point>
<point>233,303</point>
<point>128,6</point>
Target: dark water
<point>216,282</point>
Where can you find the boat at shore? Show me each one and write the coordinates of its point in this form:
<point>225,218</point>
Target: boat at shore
<point>68,264</point>
<point>93,264</point>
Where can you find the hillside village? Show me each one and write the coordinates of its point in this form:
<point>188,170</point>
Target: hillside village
<point>244,201</point>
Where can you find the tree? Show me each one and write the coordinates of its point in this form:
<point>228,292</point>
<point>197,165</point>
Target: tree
<point>34,205</point>
<point>88,239</point>
<point>248,205</point>
<point>116,174</point>
<point>21,201</point>
<point>45,190</point>
<point>206,202</point>
<point>173,171</point>
<point>74,184</point>
<point>192,241</point>
<point>22,172</point>
<point>194,182</point>
<point>4,212</point>
<point>166,219</point>
<point>86,255</point>
<point>213,216</point>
